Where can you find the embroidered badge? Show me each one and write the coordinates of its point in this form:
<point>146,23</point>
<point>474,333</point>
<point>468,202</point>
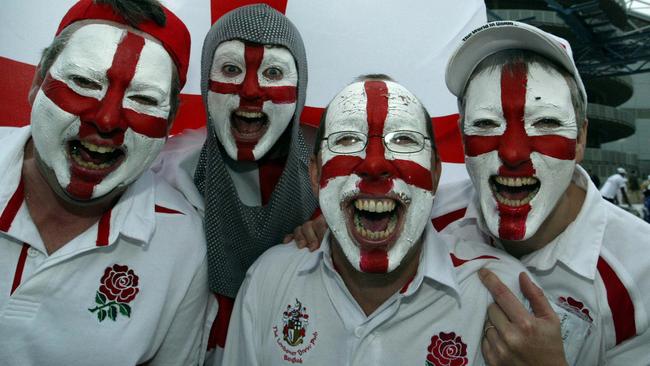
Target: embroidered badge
<point>119,286</point>
<point>447,349</point>
<point>576,307</point>
<point>295,321</point>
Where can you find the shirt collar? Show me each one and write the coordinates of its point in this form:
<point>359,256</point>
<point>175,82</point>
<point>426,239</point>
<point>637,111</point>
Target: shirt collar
<point>578,246</point>
<point>435,262</point>
<point>133,216</point>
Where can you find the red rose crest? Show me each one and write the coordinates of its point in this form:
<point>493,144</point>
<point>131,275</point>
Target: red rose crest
<point>447,349</point>
<point>576,307</point>
<point>119,286</point>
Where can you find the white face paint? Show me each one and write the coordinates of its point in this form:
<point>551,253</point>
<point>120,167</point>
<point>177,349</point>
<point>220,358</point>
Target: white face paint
<point>520,143</point>
<point>373,199</point>
<point>96,125</point>
<point>252,97</point>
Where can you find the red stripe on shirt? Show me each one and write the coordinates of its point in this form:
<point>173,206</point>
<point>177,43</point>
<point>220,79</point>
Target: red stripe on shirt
<point>10,211</point>
<point>441,222</point>
<point>220,326</point>
<point>459,262</point>
<point>620,302</point>
<point>104,229</point>
<point>20,266</point>
<point>162,209</point>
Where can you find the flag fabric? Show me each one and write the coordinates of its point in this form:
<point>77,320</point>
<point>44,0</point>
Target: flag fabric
<point>408,40</point>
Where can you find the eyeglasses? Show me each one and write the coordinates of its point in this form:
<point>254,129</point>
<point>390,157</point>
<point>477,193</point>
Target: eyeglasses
<point>350,142</point>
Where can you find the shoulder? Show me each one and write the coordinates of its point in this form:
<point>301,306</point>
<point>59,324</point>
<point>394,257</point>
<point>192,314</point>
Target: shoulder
<point>470,256</point>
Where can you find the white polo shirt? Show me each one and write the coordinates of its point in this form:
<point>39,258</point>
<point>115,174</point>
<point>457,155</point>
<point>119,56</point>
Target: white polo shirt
<point>294,308</point>
<point>131,289</point>
<point>613,186</point>
<point>598,268</point>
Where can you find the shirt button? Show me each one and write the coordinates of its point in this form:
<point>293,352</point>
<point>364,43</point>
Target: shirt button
<point>358,332</point>
<point>31,252</point>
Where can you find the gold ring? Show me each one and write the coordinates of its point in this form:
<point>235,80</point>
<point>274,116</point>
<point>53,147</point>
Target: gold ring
<point>488,328</point>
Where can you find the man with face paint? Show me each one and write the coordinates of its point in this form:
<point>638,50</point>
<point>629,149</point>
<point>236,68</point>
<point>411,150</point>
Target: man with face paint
<point>383,288</point>
<point>523,115</point>
<point>100,262</point>
<point>247,171</point>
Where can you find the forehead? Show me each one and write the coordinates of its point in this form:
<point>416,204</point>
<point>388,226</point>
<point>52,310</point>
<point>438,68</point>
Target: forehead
<point>235,49</point>
<point>93,47</point>
<point>349,109</point>
<point>545,86</point>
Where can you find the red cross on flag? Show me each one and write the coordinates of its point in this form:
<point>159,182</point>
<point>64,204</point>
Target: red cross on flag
<point>409,41</point>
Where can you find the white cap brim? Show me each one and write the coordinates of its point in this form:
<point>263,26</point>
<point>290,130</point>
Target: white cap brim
<point>504,35</point>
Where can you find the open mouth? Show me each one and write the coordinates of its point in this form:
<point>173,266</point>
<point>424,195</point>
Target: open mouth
<point>375,221</point>
<point>97,158</point>
<point>514,191</point>
<point>248,126</point>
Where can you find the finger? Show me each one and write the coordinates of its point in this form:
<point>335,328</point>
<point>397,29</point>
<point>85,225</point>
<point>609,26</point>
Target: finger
<point>287,238</point>
<point>535,295</point>
<point>502,295</point>
<point>496,350</point>
<point>320,227</point>
<point>489,355</point>
<point>310,235</point>
<point>498,318</point>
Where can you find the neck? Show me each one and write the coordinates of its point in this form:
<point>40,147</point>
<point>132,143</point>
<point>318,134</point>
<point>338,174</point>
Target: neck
<point>564,213</point>
<point>58,220</point>
<point>370,290</point>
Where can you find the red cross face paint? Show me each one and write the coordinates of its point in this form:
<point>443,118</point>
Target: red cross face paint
<point>375,201</point>
<point>252,97</point>
<point>100,117</point>
<point>520,142</point>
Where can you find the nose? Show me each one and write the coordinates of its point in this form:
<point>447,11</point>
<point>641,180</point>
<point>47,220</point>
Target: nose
<point>375,167</point>
<point>109,117</point>
<point>251,89</point>
<point>514,148</point>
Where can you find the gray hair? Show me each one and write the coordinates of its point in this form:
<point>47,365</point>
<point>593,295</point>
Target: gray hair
<point>320,133</point>
<point>134,12</point>
<point>506,57</point>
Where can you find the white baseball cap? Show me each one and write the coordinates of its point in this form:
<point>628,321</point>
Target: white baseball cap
<point>497,36</point>
<point>620,170</point>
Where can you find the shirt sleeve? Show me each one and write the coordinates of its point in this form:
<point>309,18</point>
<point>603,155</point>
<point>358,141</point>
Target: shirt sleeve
<point>185,343</point>
<point>242,342</point>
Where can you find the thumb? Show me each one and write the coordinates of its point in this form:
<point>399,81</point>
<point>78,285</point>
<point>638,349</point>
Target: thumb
<point>535,295</point>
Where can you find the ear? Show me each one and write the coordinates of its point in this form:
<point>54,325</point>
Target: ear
<point>37,81</point>
<point>314,173</point>
<point>436,170</point>
<point>581,142</point>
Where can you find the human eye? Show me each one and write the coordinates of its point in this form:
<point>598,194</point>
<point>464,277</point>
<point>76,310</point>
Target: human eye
<point>144,100</point>
<point>85,83</point>
<point>230,70</point>
<point>547,123</point>
<point>485,123</point>
<point>273,73</point>
<point>404,138</point>
<point>347,139</point>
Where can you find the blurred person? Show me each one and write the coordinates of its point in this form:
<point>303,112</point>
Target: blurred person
<point>101,263</point>
<point>615,187</point>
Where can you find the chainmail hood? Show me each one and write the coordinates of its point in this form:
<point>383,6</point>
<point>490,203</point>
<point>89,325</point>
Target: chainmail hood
<point>238,234</point>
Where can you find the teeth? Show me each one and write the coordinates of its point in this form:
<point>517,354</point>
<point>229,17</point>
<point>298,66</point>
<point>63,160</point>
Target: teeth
<point>515,203</point>
<point>374,205</point>
<point>88,164</point>
<point>249,114</point>
<point>97,148</point>
<point>515,182</point>
<point>375,235</point>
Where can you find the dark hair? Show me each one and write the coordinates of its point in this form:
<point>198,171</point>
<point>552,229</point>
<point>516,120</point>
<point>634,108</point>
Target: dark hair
<point>512,56</point>
<point>134,12</point>
<point>320,133</point>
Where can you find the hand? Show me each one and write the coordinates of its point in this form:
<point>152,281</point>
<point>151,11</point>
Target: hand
<point>513,336</point>
<point>309,234</point>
